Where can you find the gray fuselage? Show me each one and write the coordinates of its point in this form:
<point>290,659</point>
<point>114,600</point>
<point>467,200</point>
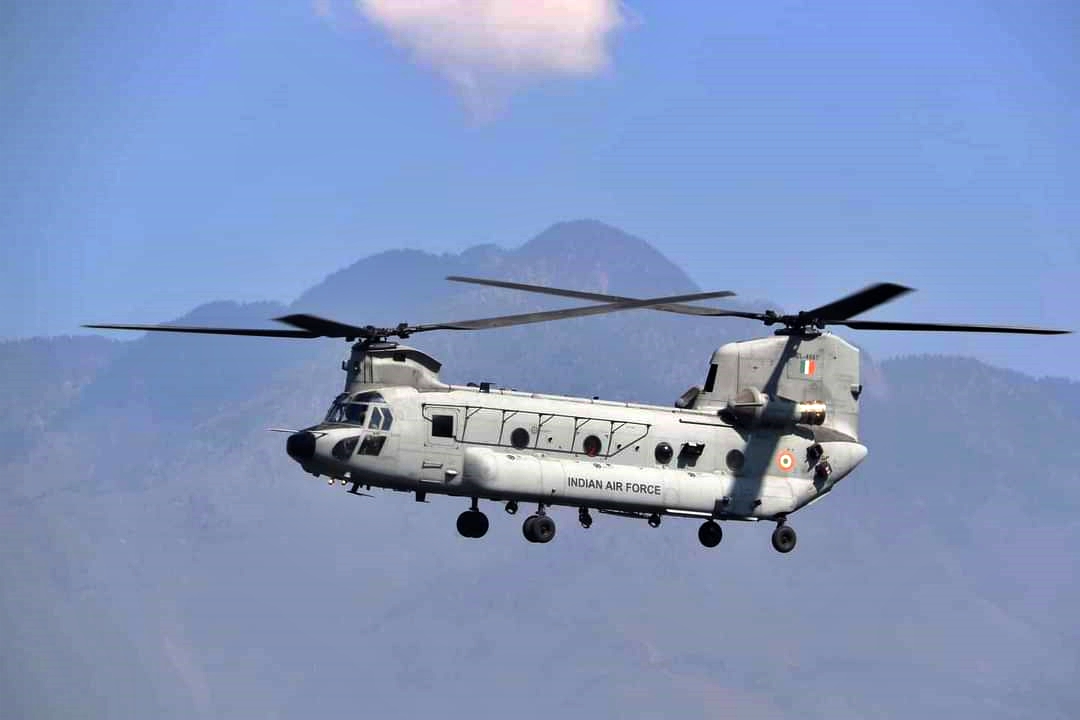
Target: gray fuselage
<point>505,445</point>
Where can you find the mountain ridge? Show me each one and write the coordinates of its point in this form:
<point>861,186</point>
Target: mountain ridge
<point>163,557</point>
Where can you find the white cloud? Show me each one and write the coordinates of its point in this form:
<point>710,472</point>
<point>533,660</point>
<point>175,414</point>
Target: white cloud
<point>483,46</point>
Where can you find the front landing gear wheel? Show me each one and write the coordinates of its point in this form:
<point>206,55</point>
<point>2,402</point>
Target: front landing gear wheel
<point>538,529</point>
<point>783,539</point>
<point>472,524</point>
<point>710,533</point>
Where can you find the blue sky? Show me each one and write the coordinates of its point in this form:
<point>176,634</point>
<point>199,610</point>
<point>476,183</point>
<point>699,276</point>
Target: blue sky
<point>157,156</point>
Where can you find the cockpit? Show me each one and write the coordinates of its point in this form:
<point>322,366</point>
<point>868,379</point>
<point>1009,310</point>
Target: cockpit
<point>362,409</point>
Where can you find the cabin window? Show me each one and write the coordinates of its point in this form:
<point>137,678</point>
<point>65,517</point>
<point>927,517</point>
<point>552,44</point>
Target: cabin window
<point>592,446</point>
<point>664,453</point>
<point>735,460</point>
<point>442,426</point>
<point>692,449</point>
<point>710,380</point>
<point>520,438</point>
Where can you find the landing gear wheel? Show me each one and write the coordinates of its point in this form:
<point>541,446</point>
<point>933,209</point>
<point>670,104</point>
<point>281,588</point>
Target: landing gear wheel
<point>545,529</point>
<point>710,533</point>
<point>538,529</point>
<point>654,520</point>
<point>783,539</point>
<point>480,527</point>
<point>472,524</point>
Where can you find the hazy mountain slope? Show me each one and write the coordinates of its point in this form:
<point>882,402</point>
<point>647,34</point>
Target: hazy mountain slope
<point>41,378</point>
<point>222,581</point>
<point>203,373</point>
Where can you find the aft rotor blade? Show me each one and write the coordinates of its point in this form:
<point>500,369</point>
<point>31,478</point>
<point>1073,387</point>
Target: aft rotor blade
<point>544,316</point>
<point>858,302</point>
<point>944,327</point>
<point>582,295</point>
<point>249,332</point>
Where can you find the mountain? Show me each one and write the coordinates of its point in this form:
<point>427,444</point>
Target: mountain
<point>42,378</point>
<point>163,557</point>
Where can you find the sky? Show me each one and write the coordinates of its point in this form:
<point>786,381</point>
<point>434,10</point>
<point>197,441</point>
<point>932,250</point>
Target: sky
<point>157,156</point>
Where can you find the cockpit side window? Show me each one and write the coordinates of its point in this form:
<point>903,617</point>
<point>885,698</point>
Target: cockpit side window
<point>387,418</point>
<point>376,418</point>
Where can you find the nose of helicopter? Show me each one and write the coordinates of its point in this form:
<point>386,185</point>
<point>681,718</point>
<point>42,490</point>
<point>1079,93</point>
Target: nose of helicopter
<point>300,446</point>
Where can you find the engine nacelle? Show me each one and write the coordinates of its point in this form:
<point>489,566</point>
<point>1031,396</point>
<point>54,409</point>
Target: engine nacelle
<point>752,408</point>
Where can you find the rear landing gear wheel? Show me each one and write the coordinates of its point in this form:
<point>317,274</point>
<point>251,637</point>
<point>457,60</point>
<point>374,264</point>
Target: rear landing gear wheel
<point>472,524</point>
<point>538,529</point>
<point>783,539</point>
<point>710,533</point>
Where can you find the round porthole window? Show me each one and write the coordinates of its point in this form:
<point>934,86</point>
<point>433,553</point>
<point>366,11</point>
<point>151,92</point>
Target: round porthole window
<point>664,453</point>
<point>520,438</point>
<point>592,446</point>
<point>735,460</point>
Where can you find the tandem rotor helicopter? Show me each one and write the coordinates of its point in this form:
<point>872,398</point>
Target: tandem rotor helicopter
<point>773,428</point>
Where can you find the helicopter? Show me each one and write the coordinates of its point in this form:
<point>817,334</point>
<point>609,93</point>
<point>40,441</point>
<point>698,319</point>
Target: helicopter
<point>772,429</point>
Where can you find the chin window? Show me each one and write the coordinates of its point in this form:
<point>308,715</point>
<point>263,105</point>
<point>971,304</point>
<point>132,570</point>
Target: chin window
<point>344,448</point>
<point>372,445</point>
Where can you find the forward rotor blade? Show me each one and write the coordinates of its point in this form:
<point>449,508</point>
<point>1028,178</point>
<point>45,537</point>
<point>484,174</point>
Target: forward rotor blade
<point>544,316</point>
<point>943,327</point>
<point>858,302</point>
<point>582,295</point>
<point>249,332</point>
<point>711,312</point>
<point>322,327</point>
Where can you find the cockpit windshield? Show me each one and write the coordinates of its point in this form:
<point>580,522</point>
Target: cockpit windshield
<point>357,409</point>
<point>336,413</point>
